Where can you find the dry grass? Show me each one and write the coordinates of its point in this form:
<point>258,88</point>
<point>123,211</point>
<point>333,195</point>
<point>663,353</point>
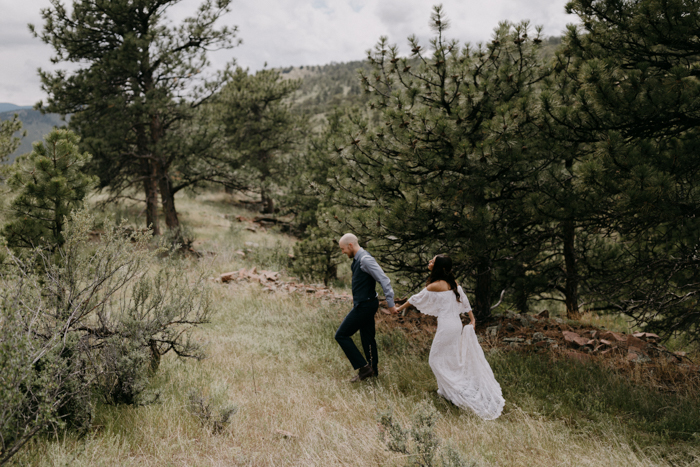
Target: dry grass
<point>274,357</point>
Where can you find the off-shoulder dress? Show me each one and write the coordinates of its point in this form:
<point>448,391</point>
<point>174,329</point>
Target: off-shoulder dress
<point>456,358</point>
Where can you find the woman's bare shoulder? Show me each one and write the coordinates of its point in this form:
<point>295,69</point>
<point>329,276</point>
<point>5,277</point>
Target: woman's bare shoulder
<point>438,286</point>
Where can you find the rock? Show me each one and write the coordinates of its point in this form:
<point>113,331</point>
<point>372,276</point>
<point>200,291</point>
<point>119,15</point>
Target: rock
<point>595,334</point>
<point>646,335</point>
<point>524,322</point>
<point>607,342</point>
<point>559,320</point>
<point>514,345</point>
<point>285,434</point>
<point>514,339</point>
<point>636,355</point>
<point>493,330</point>
<point>240,253</point>
<point>613,336</point>
<point>510,327</point>
<point>543,314</point>
<point>636,342</point>
<point>528,342</point>
<point>538,336</point>
<point>228,276</point>
<point>573,338</point>
<point>251,244</point>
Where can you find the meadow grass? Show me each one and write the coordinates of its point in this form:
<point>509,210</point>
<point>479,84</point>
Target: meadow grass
<point>273,357</point>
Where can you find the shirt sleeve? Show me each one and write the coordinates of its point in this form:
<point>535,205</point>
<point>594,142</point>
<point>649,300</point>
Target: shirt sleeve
<point>464,300</point>
<point>424,302</point>
<point>369,265</point>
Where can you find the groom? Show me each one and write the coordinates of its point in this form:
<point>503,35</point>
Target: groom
<point>365,275</point>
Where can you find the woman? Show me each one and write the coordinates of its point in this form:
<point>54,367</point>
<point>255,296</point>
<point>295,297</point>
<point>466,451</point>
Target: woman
<point>463,375</point>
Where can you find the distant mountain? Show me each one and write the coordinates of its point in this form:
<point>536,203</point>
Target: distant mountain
<point>4,107</point>
<point>36,125</point>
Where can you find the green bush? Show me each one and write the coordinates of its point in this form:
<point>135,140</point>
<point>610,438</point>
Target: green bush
<point>91,319</point>
<point>419,443</point>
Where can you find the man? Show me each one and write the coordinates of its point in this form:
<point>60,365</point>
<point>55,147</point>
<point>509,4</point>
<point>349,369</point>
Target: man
<point>365,275</point>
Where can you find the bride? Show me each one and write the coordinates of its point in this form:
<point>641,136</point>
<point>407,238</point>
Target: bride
<point>463,375</point>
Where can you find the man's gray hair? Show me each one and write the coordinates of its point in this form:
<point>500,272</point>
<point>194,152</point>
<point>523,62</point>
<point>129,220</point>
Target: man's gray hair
<point>348,239</point>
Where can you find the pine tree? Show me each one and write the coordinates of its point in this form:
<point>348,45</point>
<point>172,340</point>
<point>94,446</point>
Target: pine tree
<point>139,81</point>
<point>442,165</point>
<point>8,141</point>
<point>50,183</point>
<point>638,97</point>
<point>260,130</point>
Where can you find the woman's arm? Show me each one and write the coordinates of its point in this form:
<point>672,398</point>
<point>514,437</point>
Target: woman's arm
<point>403,307</point>
<point>473,320</point>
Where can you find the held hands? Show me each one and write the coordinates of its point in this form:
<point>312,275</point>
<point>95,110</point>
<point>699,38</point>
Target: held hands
<point>390,311</point>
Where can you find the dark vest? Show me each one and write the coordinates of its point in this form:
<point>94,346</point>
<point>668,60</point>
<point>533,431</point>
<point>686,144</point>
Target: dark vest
<point>363,285</point>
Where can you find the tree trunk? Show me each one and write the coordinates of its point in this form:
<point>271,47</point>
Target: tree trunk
<point>482,294</point>
<point>522,291</point>
<point>168,200</point>
<point>150,189</point>
<point>571,287</point>
<point>167,196</point>
<point>268,204</point>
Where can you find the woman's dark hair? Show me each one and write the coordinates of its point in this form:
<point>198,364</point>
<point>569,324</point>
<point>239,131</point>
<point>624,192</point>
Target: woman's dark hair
<point>442,271</point>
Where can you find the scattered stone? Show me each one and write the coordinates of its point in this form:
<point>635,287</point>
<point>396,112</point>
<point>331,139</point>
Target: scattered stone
<point>228,276</point>
<point>240,253</point>
<point>514,339</point>
<point>543,314</point>
<point>493,330</point>
<point>646,335</point>
<point>636,342</point>
<point>573,338</point>
<point>607,342</point>
<point>285,434</point>
<point>524,322</point>
<point>613,336</point>
<point>510,327</point>
<point>538,336</point>
<point>636,355</point>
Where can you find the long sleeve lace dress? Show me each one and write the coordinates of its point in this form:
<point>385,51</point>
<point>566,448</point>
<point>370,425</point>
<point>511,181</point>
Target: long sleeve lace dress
<point>456,358</point>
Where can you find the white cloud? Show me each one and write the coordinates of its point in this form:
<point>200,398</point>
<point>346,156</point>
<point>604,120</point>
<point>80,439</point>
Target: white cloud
<point>286,32</point>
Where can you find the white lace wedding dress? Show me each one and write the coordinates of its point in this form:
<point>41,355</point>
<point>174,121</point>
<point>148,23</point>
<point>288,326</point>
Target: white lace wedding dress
<point>456,358</point>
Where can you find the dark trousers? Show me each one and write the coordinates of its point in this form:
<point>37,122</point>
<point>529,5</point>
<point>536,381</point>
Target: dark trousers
<point>360,318</point>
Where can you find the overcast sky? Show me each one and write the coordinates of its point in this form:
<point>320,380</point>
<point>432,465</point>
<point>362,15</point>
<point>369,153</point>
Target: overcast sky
<point>286,32</point>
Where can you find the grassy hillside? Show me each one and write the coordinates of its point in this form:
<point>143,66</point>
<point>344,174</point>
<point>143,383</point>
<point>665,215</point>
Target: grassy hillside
<point>272,357</point>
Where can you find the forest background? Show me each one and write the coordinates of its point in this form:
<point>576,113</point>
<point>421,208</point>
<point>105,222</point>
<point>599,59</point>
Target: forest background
<point>557,173</point>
